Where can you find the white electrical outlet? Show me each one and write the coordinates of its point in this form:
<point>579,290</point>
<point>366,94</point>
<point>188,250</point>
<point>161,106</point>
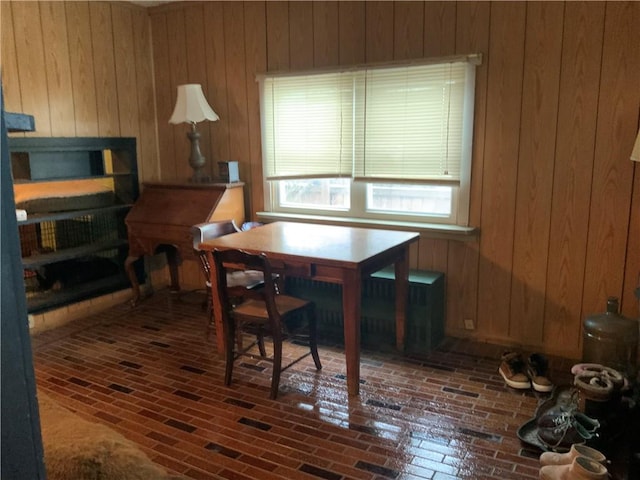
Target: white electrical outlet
<point>468,324</point>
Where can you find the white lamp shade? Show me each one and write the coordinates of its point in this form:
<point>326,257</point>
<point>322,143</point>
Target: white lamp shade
<point>635,153</point>
<point>191,106</point>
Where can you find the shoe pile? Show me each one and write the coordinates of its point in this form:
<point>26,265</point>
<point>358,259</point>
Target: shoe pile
<point>579,463</point>
<point>520,375</point>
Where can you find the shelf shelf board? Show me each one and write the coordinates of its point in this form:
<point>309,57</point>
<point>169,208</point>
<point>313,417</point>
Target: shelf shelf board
<point>23,181</point>
<point>48,299</point>
<point>36,261</point>
<point>51,217</point>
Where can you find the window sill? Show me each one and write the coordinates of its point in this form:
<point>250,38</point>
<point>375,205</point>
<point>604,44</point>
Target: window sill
<point>427,230</point>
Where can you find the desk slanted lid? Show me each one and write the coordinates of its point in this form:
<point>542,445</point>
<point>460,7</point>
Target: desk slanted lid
<point>176,204</point>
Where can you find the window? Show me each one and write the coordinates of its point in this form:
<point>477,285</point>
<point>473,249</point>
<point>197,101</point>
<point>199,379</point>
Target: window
<point>375,142</point>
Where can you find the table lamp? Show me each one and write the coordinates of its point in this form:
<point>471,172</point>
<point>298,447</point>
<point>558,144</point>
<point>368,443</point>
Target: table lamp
<point>192,107</point>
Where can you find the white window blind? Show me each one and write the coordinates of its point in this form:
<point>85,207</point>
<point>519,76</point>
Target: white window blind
<point>410,123</point>
<point>414,125</point>
<point>307,125</point>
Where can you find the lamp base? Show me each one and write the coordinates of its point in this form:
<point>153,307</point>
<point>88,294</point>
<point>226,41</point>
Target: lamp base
<point>196,159</point>
<point>199,178</point>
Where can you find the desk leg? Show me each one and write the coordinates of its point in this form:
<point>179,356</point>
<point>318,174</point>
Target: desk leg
<point>402,291</point>
<point>173,260</point>
<point>351,290</point>
<point>133,279</point>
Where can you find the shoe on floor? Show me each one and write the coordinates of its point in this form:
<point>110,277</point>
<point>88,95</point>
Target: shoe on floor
<point>538,371</point>
<point>512,369</point>
<point>553,458</point>
<point>581,468</point>
<point>559,428</point>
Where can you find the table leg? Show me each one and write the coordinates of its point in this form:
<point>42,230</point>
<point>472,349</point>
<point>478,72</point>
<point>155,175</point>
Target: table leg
<point>351,295</point>
<point>402,291</point>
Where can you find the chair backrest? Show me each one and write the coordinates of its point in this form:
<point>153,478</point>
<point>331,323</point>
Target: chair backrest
<point>226,260</point>
<point>207,231</point>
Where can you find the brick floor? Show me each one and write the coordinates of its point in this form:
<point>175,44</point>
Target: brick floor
<point>152,373</point>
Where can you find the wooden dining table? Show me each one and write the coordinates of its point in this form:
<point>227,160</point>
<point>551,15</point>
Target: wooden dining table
<point>336,254</point>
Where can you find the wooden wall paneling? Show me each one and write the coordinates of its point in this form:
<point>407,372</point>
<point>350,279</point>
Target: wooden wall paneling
<point>630,304</point>
<point>177,38</point>
<point>433,254</point>
<point>535,169</point>
<point>104,65</point>
<point>125,71</point>
<point>379,31</point>
<point>300,35</point>
<point>618,105</point>
<point>10,78</point>
<point>472,36</point>
<point>165,96</point>
<point>351,25</point>
<point>56,52</point>
<point>502,176</point>
<point>214,51</point>
<point>148,155</point>
<point>504,96</point>
<point>326,48</point>
<point>408,30</point>
<point>31,62</point>
<point>83,80</point>
<point>194,44</point>
<point>256,62</point>
<point>414,250</point>
<point>462,287</point>
<point>578,97</point>
<point>439,28</point>
<point>277,19</point>
<point>197,73</point>
<point>237,88</point>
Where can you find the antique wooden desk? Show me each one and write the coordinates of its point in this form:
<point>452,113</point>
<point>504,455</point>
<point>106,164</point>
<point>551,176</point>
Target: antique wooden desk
<point>162,217</point>
<point>343,255</point>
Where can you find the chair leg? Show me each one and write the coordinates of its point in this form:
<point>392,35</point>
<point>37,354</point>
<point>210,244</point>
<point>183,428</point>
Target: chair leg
<point>239,343</point>
<point>263,351</point>
<point>229,353</point>
<point>313,337</point>
<point>210,307</point>
<point>277,366</point>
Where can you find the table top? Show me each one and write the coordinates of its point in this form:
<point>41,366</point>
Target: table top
<point>325,244</point>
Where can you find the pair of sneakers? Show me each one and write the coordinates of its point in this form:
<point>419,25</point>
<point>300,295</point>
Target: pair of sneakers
<point>524,375</point>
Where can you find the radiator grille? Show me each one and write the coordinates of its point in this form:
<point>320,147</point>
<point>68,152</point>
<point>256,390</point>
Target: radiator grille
<point>425,310</point>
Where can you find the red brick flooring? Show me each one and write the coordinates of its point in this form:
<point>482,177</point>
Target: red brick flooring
<point>152,373</point>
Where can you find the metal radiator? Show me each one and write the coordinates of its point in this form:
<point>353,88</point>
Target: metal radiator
<point>425,310</point>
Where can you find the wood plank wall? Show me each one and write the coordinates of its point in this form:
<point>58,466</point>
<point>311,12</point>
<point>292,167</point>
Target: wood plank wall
<point>555,197</point>
<point>82,69</point>
<point>557,104</point>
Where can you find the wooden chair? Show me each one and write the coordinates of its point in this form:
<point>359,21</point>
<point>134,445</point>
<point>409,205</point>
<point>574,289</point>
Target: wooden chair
<point>240,282</point>
<point>266,314</point>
